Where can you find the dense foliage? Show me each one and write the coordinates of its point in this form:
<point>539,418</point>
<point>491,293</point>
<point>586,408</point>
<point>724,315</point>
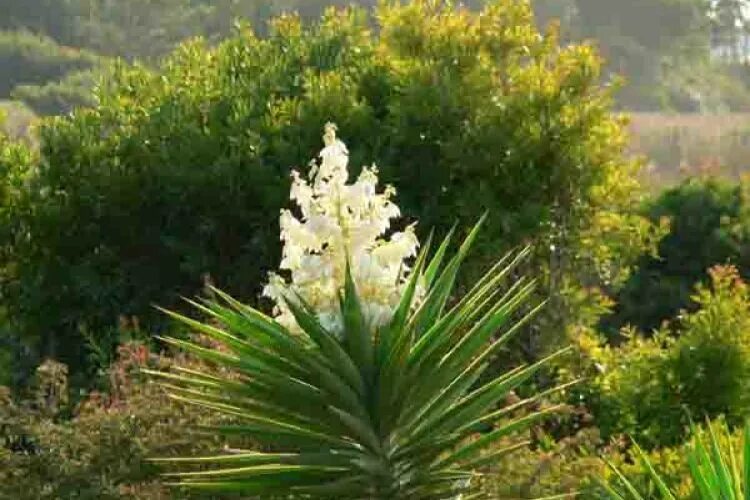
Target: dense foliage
<point>709,225</point>
<point>147,29</point>
<point>174,180</point>
<point>53,446</point>
<point>676,54</point>
<point>177,175</point>
<point>60,97</point>
<point>716,464</point>
<point>365,383</point>
<point>42,42</point>
<point>649,387</point>
<point>26,58</point>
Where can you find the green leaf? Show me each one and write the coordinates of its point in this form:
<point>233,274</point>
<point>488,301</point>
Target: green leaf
<point>373,414</point>
<point>358,338</point>
<point>660,484</point>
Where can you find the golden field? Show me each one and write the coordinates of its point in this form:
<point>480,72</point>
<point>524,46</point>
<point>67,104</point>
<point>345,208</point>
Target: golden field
<point>676,145</point>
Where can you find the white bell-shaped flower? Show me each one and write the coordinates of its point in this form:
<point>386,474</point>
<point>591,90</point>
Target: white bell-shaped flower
<point>340,221</point>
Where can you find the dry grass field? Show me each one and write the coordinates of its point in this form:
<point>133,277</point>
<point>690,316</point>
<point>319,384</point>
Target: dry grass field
<point>676,145</point>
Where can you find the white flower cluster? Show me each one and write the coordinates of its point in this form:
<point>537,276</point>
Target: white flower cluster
<point>341,221</point>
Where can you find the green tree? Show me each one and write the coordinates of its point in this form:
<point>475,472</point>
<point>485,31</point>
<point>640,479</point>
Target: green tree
<point>179,173</point>
<point>644,40</point>
<point>16,159</point>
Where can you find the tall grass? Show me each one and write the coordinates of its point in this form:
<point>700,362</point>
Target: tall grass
<point>677,145</point>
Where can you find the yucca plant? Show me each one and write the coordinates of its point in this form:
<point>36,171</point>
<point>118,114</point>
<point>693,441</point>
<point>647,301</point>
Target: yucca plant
<point>350,402</point>
<point>717,473</point>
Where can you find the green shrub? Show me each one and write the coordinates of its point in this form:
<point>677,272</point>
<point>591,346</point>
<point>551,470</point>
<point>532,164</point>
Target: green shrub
<point>670,463</point>
<point>714,464</point>
<point>53,446</point>
<point>630,391</point>
<point>546,467</point>
<point>59,97</point>
<point>51,17</point>
<point>711,358</point>
<point>710,225</point>
<point>16,120</point>
<point>179,173</point>
<point>16,160</point>
<point>648,387</point>
<point>34,59</point>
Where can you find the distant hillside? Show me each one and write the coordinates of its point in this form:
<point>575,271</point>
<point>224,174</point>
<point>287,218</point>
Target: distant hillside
<point>675,55</point>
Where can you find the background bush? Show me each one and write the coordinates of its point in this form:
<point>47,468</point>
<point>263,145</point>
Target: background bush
<point>671,463</point>
<point>27,58</point>
<point>75,90</point>
<point>709,225</point>
<point>547,467</point>
<point>649,387</point>
<point>178,174</point>
<point>53,446</point>
<point>681,68</point>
